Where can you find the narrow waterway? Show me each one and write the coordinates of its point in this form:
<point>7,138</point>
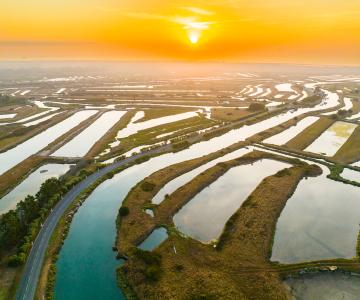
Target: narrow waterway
<point>24,150</point>
<point>83,142</point>
<point>86,266</point>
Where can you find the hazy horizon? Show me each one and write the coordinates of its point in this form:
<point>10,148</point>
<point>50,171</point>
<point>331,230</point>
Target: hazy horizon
<point>306,32</point>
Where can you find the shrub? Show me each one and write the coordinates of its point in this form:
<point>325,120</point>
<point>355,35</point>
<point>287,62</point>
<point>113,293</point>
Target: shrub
<point>17,260</point>
<point>153,272</point>
<point>147,186</point>
<point>123,211</point>
<point>152,261</point>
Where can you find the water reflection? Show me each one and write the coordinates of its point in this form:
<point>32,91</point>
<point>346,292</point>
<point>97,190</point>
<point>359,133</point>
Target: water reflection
<point>204,217</point>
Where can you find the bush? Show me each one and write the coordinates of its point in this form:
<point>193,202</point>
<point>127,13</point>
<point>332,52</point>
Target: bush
<point>147,186</point>
<point>153,272</point>
<point>123,211</point>
<point>17,260</point>
<point>149,258</point>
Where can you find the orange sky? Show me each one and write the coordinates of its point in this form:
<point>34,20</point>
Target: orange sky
<point>316,31</point>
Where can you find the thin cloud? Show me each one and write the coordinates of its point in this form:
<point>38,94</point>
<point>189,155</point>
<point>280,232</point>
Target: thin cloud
<point>198,11</point>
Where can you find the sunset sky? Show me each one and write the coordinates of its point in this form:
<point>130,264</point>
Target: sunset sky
<point>306,31</point>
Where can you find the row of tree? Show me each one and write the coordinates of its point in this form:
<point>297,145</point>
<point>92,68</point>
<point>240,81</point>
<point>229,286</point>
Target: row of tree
<point>19,227</point>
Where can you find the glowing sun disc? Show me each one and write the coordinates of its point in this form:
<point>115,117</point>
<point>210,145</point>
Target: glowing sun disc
<point>194,37</point>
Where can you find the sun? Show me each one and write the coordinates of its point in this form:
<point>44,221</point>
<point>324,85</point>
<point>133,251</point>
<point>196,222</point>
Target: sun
<point>194,37</point>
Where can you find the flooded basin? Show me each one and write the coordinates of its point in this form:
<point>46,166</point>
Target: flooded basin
<point>179,181</point>
<point>288,134</point>
<point>324,286</point>
<point>31,185</point>
<point>133,127</point>
<point>351,175</point>
<point>330,141</point>
<point>92,232</point>
<point>83,142</point>
<point>320,221</point>
<point>204,217</point>
<point>17,154</point>
<point>154,239</point>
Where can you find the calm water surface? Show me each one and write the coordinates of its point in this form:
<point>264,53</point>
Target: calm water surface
<point>86,266</point>
<point>16,155</point>
<point>325,286</point>
<point>154,239</point>
<point>31,185</point>
<point>320,221</point>
<point>204,217</point>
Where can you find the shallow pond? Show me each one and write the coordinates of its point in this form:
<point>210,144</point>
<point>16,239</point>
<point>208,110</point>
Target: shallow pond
<point>154,239</point>
<point>181,180</point>
<point>288,134</point>
<point>204,217</point>
<point>86,266</point>
<point>31,185</point>
<point>351,175</point>
<point>330,141</point>
<point>320,221</point>
<point>83,142</point>
<point>17,154</point>
<point>133,128</point>
<point>324,286</point>
<point>38,121</point>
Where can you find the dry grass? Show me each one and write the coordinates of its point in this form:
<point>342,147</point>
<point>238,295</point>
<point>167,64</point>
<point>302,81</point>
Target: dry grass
<point>163,112</point>
<point>110,135</point>
<point>22,111</point>
<point>13,140</point>
<point>10,178</point>
<point>229,114</point>
<point>310,134</point>
<point>139,224</point>
<point>239,267</point>
<point>350,151</point>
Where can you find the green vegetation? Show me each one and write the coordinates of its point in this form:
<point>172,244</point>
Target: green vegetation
<point>110,135</point>
<point>161,133</point>
<point>10,101</point>
<point>154,113</point>
<point>198,270</point>
<point>19,227</point>
<point>124,211</point>
<point>152,264</point>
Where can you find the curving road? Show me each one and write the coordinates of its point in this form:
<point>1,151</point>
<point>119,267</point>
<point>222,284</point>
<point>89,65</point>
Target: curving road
<point>32,269</point>
<point>30,277</point>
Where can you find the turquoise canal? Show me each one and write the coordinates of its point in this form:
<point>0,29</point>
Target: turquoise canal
<point>86,266</point>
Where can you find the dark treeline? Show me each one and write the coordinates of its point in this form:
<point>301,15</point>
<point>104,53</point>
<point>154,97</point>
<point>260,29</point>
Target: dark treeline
<point>19,227</point>
<point>7,100</point>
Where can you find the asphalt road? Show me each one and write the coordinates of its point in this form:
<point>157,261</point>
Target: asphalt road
<point>32,269</point>
<point>30,277</point>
